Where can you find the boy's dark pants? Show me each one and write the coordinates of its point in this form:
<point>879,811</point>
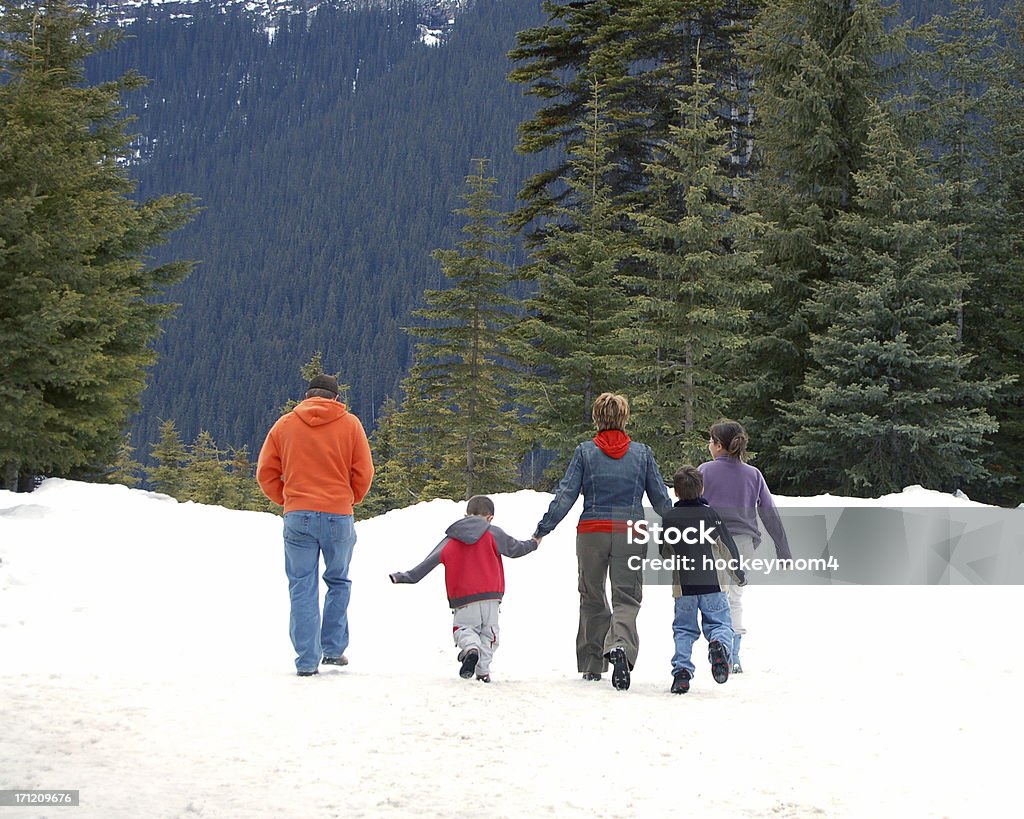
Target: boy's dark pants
<point>604,556</point>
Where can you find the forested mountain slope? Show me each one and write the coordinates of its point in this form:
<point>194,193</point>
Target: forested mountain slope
<point>328,160</point>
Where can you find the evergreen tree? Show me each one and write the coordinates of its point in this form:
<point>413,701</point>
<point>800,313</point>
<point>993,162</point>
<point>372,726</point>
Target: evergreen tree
<point>574,339</point>
<point>244,493</point>
<point>890,402</point>
<point>994,322</point>
<point>970,102</point>
<point>697,269</point>
<point>125,470</point>
<point>954,76</point>
<point>635,47</point>
<point>458,418</point>
<point>170,454</point>
<point>420,429</point>
<point>817,66</point>
<point>206,478</point>
<point>78,304</point>
<point>390,488</point>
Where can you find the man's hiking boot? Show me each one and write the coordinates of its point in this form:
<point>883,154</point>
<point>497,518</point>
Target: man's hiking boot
<point>306,673</point>
<point>719,658</point>
<point>681,682</point>
<point>469,661</point>
<point>342,660</point>
<point>620,668</point>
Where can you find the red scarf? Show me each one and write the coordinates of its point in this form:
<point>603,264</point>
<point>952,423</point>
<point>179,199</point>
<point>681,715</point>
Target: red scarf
<point>612,442</point>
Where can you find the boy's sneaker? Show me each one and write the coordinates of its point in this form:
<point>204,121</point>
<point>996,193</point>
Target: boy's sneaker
<point>483,677</point>
<point>620,668</point>
<point>469,661</point>
<point>342,660</point>
<point>719,658</point>
<point>591,676</point>
<point>681,682</point>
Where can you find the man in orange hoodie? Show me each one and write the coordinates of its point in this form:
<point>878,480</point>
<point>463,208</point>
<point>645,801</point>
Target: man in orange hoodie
<point>316,463</point>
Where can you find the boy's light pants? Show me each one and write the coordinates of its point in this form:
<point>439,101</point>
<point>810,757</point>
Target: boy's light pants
<point>475,625</point>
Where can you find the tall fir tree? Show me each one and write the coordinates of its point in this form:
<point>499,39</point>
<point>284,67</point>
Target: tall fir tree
<point>966,109</point>
<point>954,78</point>
<point>573,342</point>
<point>891,401</point>
<point>459,423</point>
<point>79,306</point>
<point>994,327</point>
<point>169,455</point>
<point>697,269</point>
<point>817,65</point>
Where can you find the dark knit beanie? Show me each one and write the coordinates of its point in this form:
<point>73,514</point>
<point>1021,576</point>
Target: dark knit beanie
<point>325,382</point>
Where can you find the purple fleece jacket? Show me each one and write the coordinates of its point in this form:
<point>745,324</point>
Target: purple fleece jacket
<point>739,494</point>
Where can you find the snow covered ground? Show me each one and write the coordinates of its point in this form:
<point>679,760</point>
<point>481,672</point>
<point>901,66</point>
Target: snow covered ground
<point>145,661</point>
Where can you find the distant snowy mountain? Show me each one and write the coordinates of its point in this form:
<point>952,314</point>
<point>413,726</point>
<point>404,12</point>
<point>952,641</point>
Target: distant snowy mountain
<point>436,16</point>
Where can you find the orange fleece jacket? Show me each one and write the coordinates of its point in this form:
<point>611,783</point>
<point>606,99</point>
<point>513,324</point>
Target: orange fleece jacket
<point>316,458</point>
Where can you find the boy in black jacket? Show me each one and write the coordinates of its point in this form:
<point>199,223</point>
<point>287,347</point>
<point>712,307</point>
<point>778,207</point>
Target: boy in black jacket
<point>698,588</point>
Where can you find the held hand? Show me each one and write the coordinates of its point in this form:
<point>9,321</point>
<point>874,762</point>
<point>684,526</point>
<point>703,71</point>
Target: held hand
<point>537,540</point>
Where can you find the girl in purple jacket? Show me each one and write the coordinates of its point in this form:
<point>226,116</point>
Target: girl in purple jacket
<point>739,493</point>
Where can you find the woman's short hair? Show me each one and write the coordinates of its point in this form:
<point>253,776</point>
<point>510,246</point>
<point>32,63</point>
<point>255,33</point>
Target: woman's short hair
<point>731,436</point>
<point>611,411</point>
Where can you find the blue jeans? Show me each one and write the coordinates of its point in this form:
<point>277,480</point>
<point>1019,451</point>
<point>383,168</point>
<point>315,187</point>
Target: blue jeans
<point>715,618</point>
<point>306,535</point>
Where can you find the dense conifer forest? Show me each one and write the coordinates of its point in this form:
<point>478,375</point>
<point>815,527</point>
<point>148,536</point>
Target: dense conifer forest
<point>328,161</point>
<point>804,214</point>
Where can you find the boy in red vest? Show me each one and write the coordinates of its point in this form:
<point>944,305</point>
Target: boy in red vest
<point>475,578</point>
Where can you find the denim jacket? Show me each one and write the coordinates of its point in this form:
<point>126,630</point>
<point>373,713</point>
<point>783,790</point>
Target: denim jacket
<point>613,488</point>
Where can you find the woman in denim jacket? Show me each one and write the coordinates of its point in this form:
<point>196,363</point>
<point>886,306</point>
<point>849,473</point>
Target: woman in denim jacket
<point>613,473</point>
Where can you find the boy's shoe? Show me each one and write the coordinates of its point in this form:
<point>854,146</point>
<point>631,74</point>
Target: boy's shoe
<point>306,673</point>
<point>719,658</point>
<point>469,661</point>
<point>591,676</point>
<point>342,660</point>
<point>620,670</point>
<point>681,682</point>
<point>483,677</point>
<point>736,667</point>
